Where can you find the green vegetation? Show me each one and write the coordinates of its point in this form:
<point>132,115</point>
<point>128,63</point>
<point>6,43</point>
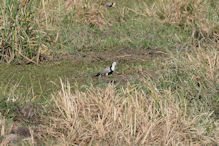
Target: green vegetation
<point>23,39</point>
<point>164,90</point>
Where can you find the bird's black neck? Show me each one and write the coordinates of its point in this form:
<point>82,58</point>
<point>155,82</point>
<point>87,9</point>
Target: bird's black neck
<point>111,68</point>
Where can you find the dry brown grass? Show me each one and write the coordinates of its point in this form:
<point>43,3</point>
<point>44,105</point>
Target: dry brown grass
<point>106,116</point>
<point>208,60</point>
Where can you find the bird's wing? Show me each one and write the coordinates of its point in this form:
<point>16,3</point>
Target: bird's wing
<point>108,4</point>
<point>106,70</point>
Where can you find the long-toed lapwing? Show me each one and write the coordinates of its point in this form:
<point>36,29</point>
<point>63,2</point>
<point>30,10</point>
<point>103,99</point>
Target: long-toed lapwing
<point>107,71</point>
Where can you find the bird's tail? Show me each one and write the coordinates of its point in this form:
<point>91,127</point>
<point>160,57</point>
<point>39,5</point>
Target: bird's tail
<point>98,75</point>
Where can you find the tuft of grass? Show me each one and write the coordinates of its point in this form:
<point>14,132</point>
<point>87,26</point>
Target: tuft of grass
<point>106,116</point>
<point>23,37</point>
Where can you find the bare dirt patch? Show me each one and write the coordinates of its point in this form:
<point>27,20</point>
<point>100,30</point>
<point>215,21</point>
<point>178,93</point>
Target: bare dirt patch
<point>125,55</point>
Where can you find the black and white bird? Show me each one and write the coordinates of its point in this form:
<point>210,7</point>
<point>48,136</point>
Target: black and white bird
<point>110,4</point>
<point>107,71</point>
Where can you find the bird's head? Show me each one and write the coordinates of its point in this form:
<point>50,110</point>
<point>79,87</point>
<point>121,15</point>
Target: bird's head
<point>113,66</point>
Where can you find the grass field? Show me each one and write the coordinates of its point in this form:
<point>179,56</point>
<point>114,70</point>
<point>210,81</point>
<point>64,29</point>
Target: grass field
<point>164,91</point>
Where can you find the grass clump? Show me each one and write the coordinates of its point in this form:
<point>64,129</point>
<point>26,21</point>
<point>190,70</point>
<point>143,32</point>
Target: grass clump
<point>106,116</point>
<point>23,37</point>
